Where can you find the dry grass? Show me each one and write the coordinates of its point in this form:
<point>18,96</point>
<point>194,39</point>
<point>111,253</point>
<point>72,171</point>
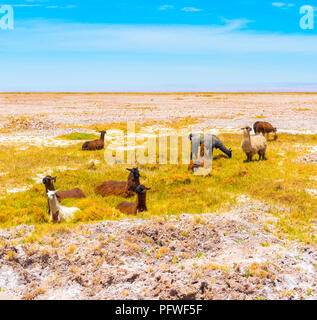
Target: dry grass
<point>174,189</point>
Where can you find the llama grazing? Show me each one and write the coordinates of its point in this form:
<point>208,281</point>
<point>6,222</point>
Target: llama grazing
<point>61,195</point>
<point>95,144</point>
<point>140,204</point>
<point>120,188</point>
<point>207,142</point>
<point>264,128</point>
<point>57,212</point>
<point>253,145</point>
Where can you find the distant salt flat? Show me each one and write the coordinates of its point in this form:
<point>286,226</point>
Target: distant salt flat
<point>24,142</point>
<point>297,131</point>
<point>20,189</point>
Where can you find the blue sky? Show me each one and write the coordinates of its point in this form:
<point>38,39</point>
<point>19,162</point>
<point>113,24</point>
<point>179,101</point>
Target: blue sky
<point>158,45</point>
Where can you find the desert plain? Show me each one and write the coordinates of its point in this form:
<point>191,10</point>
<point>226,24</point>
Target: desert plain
<point>245,231</point>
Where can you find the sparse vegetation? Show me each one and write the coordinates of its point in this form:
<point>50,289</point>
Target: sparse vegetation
<point>171,251</point>
<point>282,186</point>
<point>78,136</point>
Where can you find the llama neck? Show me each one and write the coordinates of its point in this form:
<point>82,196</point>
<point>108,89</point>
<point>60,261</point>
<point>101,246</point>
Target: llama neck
<point>140,202</point>
<point>54,205</point>
<point>49,187</point>
<point>225,150</point>
<point>133,182</point>
<point>246,137</point>
<point>102,136</point>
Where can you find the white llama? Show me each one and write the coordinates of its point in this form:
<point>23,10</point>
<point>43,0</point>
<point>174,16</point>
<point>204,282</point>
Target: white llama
<point>57,212</point>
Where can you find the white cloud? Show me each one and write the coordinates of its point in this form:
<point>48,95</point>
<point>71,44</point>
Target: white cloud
<point>57,36</point>
<point>61,7</point>
<point>190,9</point>
<point>197,58</point>
<point>166,7</point>
<point>282,5</point>
<point>25,5</point>
<point>278,4</point>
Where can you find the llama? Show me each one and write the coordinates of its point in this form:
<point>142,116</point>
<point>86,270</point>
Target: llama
<point>252,145</point>
<point>207,142</point>
<point>95,144</point>
<point>124,189</point>
<point>140,204</point>
<point>61,195</point>
<point>264,128</point>
<point>57,212</point>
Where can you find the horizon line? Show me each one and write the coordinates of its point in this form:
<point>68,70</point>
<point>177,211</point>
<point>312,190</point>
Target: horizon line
<point>158,92</point>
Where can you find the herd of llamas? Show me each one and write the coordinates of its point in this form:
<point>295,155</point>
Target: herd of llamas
<point>251,145</point>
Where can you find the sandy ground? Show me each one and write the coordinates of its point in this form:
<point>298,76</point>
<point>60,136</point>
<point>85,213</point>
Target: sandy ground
<point>212,256</point>
<point>286,111</point>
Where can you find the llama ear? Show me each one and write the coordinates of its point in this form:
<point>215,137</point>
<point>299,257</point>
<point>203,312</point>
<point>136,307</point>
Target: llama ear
<point>129,169</point>
<point>54,179</point>
<point>147,188</point>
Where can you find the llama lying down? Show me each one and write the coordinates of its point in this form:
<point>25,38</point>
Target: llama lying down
<point>59,213</point>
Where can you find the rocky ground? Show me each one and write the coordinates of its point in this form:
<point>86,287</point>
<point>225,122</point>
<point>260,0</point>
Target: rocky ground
<point>232,255</point>
<point>309,158</point>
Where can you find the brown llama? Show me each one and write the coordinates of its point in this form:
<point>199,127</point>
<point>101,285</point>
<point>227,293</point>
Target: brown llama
<point>73,193</point>
<point>124,189</point>
<point>264,128</point>
<point>140,204</point>
<point>95,144</point>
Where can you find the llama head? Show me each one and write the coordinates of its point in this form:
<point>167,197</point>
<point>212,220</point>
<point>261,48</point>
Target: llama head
<point>135,172</point>
<point>51,194</point>
<point>141,189</point>
<point>47,180</point>
<point>246,129</point>
<point>103,132</point>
